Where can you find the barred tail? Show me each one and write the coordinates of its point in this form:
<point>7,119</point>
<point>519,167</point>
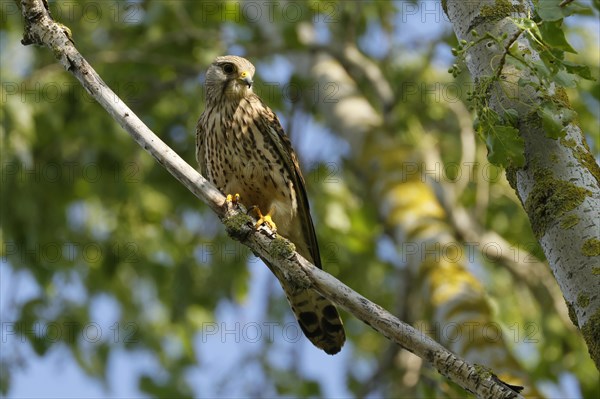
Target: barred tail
<point>318,319</point>
<point>317,316</point>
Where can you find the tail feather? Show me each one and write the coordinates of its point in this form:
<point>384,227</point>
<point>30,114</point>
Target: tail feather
<point>319,320</point>
<point>317,316</point>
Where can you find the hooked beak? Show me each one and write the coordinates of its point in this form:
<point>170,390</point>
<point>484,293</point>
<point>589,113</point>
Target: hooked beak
<point>246,78</point>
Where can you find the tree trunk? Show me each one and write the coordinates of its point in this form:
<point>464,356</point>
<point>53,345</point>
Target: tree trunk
<point>559,183</point>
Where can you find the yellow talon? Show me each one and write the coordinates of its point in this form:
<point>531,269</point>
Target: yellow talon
<point>232,202</point>
<point>233,199</point>
<point>265,219</point>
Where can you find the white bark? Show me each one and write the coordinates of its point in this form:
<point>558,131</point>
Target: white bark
<point>559,184</point>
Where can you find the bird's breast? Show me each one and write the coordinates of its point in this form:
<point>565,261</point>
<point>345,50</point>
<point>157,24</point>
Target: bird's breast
<point>244,160</point>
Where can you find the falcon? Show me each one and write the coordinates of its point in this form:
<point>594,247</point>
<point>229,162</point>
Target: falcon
<point>242,149</point>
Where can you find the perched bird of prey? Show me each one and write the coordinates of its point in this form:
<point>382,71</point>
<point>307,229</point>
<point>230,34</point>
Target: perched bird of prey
<point>243,150</point>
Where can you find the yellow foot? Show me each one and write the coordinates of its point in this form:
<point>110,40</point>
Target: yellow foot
<point>233,199</point>
<point>232,202</point>
<point>264,220</point>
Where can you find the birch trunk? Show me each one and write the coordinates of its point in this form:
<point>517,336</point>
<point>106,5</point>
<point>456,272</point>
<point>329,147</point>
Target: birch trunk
<point>559,185</point>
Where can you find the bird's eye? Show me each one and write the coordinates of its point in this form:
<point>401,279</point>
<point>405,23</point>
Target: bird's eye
<point>228,68</point>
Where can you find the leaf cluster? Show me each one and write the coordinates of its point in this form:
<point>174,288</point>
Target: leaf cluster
<point>544,69</point>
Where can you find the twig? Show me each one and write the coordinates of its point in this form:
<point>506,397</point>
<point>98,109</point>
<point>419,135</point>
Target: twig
<point>41,29</point>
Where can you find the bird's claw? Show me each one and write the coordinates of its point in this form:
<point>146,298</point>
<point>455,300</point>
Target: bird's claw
<point>264,221</point>
<point>232,202</point>
<point>233,198</point>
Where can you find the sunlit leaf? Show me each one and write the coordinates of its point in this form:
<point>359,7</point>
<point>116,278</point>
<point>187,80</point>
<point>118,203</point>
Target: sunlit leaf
<point>505,146</point>
<point>553,34</point>
<point>578,69</point>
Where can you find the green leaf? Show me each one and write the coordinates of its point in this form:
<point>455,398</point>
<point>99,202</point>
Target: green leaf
<point>505,146</point>
<point>554,119</point>
<point>529,24</point>
<point>524,82</point>
<point>551,123</point>
<point>578,69</point>
<point>554,35</point>
<point>526,23</point>
<point>511,116</point>
<point>542,69</point>
<point>550,10</point>
<point>553,60</point>
<point>565,79</point>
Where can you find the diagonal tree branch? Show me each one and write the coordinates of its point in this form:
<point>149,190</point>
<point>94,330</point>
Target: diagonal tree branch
<point>41,29</point>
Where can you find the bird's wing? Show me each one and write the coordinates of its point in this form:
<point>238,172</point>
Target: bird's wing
<point>279,140</point>
<point>200,144</point>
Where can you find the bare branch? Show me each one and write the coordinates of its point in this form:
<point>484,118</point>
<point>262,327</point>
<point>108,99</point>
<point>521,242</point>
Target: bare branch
<point>41,29</point>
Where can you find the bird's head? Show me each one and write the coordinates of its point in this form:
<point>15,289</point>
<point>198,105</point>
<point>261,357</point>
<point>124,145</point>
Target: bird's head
<point>229,76</point>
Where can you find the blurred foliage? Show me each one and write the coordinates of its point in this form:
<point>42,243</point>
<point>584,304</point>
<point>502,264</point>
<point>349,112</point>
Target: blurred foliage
<point>89,217</point>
